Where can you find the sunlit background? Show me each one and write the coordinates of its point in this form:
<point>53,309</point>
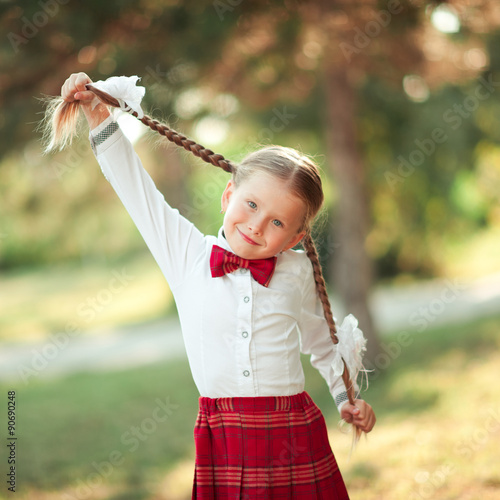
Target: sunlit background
<point>399,104</point>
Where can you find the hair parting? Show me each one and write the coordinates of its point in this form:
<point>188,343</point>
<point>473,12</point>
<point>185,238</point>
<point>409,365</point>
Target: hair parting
<point>60,123</point>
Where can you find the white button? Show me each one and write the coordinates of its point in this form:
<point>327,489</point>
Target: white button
<point>243,270</point>
<point>246,373</point>
<point>246,299</point>
<point>244,334</point>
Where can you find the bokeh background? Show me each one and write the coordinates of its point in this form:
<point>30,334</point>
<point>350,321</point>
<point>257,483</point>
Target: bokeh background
<point>399,103</point>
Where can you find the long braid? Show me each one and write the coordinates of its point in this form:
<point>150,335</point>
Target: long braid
<point>312,253</point>
<point>181,140</point>
<point>62,116</point>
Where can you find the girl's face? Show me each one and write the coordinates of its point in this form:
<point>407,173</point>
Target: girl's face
<point>262,216</point>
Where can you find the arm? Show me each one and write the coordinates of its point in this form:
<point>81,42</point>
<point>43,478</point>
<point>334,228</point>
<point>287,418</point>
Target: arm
<point>316,341</point>
<point>175,242</point>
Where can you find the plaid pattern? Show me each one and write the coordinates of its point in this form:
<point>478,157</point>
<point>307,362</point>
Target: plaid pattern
<point>223,262</point>
<point>264,448</point>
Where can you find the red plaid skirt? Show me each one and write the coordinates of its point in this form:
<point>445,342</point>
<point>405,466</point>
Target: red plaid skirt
<point>264,448</point>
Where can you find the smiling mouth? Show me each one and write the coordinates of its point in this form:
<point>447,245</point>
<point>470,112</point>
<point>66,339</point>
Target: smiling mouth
<point>247,239</point>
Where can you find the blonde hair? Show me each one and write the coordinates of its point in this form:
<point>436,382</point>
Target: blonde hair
<point>300,173</point>
<point>285,163</point>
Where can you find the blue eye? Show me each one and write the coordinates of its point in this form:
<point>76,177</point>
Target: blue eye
<point>277,223</point>
<point>252,204</point>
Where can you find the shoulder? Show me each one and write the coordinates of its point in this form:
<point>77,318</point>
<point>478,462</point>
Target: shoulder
<point>295,262</point>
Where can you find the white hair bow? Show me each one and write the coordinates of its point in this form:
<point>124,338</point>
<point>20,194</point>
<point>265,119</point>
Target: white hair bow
<point>125,91</point>
<point>350,347</point>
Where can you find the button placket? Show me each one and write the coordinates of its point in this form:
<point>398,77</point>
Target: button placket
<point>244,329</point>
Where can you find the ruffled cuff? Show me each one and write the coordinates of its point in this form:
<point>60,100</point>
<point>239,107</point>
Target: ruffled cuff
<point>350,347</point>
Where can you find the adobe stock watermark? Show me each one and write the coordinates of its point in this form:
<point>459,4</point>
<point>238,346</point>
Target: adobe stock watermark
<point>73,158</point>
<point>87,310</point>
<point>419,320</point>
<point>31,26</point>
<point>425,315</point>
<point>224,6</point>
<point>281,466</point>
<point>131,439</point>
<point>481,435</point>
<point>429,482</point>
<point>452,117</point>
<point>389,352</point>
<point>280,120</point>
<point>179,73</point>
<point>363,37</point>
<point>156,79</point>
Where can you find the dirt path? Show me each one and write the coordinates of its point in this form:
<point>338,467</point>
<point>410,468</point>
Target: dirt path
<point>413,308</point>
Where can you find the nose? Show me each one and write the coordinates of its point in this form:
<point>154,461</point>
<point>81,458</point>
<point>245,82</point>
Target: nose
<point>255,225</point>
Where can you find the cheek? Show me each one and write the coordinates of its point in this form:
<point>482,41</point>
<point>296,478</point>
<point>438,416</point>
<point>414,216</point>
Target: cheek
<point>235,211</point>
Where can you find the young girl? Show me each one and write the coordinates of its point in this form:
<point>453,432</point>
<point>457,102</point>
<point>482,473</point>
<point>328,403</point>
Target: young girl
<point>243,296</point>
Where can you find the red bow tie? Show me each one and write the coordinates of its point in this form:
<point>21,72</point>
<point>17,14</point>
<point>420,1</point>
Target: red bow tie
<point>223,262</point>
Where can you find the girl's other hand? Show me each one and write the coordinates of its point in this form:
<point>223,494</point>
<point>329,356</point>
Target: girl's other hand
<point>361,415</point>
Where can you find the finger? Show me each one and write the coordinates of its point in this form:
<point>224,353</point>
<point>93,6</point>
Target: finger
<point>81,80</point>
<point>68,90</point>
<point>367,423</point>
<point>84,96</point>
<point>75,83</point>
<point>349,410</point>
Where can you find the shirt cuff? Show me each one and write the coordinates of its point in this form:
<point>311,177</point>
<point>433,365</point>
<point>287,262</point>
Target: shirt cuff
<point>100,134</point>
<point>341,398</point>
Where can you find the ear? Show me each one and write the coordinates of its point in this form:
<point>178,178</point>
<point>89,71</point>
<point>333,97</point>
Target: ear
<point>226,195</point>
<point>294,241</point>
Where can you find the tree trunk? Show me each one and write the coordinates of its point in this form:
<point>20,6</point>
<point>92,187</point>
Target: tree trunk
<point>352,272</point>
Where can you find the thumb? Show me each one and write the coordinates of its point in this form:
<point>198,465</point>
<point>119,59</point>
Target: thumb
<point>85,96</point>
<point>349,411</point>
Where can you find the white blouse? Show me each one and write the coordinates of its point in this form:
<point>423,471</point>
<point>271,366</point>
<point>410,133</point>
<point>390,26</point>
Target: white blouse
<point>241,338</point>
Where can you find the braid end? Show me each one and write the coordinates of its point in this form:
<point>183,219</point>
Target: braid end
<point>59,123</point>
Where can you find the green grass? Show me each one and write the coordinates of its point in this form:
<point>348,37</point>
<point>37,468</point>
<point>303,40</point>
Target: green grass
<point>436,435</point>
<point>37,302</point>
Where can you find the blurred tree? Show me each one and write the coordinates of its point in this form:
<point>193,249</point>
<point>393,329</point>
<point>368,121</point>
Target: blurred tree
<point>282,52</point>
<point>275,54</point>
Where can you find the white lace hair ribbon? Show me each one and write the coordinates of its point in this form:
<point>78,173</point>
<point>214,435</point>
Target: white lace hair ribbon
<point>349,348</point>
<point>124,89</point>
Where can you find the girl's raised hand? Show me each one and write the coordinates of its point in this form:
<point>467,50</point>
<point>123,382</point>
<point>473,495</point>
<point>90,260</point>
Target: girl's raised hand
<point>73,89</point>
<point>361,415</point>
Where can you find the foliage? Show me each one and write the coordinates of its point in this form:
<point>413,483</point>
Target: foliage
<point>270,56</point>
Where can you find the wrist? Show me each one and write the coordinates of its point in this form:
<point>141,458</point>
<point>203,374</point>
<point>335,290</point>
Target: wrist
<point>95,114</point>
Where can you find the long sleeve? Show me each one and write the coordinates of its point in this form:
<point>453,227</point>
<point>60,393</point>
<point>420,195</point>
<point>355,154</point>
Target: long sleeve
<point>176,244</point>
<point>316,340</point>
